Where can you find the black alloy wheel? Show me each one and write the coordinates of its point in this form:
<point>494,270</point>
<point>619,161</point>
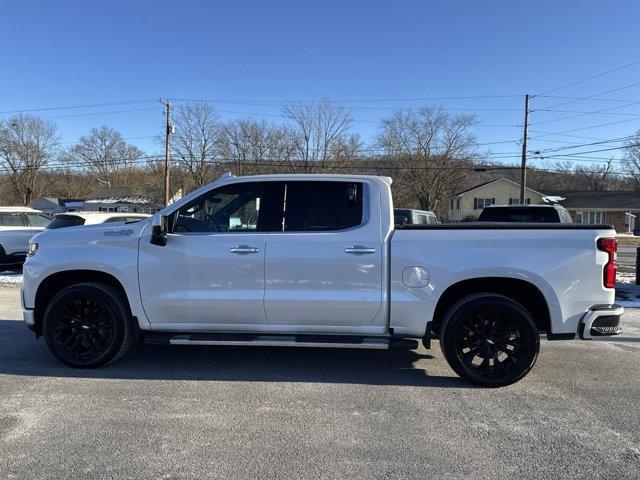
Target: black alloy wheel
<point>490,340</point>
<point>87,325</point>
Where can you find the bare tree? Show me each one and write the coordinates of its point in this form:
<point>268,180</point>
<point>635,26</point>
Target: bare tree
<point>105,154</point>
<point>597,177</point>
<point>195,143</point>
<point>631,161</point>
<point>320,138</point>
<point>27,144</point>
<point>429,152</point>
<point>250,146</point>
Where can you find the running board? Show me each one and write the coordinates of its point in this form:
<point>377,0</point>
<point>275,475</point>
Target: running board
<point>317,341</point>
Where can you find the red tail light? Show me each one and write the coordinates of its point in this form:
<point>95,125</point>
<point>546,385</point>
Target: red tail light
<point>609,245</point>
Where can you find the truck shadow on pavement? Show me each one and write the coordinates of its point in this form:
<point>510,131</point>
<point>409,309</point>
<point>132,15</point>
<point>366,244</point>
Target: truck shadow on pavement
<point>22,354</point>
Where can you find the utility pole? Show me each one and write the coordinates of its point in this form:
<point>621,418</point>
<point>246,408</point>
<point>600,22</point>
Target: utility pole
<point>523,168</point>
<point>167,149</point>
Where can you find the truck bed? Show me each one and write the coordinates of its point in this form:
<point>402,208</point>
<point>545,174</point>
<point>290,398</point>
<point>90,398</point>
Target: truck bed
<point>504,226</point>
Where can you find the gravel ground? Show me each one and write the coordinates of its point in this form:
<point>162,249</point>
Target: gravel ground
<point>202,412</point>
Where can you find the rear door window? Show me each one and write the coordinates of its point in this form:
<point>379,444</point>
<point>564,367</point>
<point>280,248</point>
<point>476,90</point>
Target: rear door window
<point>12,220</point>
<point>322,206</point>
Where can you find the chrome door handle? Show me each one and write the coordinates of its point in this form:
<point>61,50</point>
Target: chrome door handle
<point>244,249</point>
<point>359,250</point>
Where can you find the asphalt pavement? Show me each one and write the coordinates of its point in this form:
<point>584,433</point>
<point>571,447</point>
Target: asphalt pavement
<point>172,412</point>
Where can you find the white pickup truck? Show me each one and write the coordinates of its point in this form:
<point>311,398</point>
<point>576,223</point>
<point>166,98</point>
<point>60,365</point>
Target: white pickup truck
<point>315,261</point>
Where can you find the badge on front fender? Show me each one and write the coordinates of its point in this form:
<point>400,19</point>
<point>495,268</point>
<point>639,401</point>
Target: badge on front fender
<point>125,232</point>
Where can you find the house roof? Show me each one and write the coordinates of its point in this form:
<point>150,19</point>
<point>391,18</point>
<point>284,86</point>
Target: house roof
<point>463,192</point>
<point>115,195</point>
<point>61,202</point>
<point>603,199</point>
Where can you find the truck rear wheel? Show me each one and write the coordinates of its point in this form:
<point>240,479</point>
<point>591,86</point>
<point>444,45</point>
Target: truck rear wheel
<point>489,340</point>
<point>87,325</point>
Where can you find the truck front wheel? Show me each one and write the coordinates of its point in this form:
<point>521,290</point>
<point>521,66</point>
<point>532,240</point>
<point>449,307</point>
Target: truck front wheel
<point>489,340</point>
<point>87,325</point>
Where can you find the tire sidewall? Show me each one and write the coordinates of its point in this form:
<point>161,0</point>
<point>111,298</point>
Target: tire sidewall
<point>114,308</point>
<point>455,318</point>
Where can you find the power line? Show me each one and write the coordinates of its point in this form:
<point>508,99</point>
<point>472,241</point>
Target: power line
<point>612,140</point>
<point>103,113</point>
<point>589,78</point>
<point>564,135</point>
<point>257,102</point>
<point>380,100</point>
<point>588,98</point>
<point>604,111</point>
<point>599,125</point>
<point>88,105</point>
<point>600,150</point>
<point>123,138</point>
<point>68,165</point>
<point>375,166</point>
<point>595,95</point>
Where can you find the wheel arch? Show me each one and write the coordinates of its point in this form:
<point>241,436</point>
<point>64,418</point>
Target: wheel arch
<point>58,281</point>
<point>523,292</point>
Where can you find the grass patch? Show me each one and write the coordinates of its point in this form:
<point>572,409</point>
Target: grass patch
<point>628,240</point>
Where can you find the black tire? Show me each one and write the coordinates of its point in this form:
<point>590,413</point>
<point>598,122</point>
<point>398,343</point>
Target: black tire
<point>489,340</point>
<point>88,325</point>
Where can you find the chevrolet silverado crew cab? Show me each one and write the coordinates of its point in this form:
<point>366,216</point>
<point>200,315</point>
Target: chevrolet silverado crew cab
<point>316,261</point>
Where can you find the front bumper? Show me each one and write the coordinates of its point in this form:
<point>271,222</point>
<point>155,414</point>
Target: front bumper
<point>601,321</point>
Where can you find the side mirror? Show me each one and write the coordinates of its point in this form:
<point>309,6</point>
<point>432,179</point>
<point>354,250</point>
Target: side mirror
<point>159,230</point>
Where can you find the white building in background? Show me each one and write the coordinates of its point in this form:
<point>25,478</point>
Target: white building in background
<point>52,205</point>
<point>113,199</point>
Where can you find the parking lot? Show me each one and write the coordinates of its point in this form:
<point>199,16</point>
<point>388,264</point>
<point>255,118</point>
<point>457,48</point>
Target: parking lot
<point>201,412</point>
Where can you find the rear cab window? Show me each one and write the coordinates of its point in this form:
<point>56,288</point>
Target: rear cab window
<point>321,206</point>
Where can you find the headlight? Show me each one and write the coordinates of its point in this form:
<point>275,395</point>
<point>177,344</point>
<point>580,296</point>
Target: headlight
<point>33,248</point>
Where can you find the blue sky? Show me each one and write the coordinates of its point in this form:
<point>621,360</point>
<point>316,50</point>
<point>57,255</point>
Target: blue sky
<point>73,53</point>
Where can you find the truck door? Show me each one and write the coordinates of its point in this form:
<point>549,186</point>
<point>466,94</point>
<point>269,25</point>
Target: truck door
<point>325,266</point>
<point>211,271</point>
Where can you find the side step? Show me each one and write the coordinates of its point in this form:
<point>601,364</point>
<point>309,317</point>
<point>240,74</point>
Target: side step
<point>260,340</point>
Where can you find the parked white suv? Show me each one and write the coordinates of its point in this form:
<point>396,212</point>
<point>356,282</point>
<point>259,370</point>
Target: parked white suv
<point>17,226</point>
<point>408,216</point>
<point>75,219</point>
